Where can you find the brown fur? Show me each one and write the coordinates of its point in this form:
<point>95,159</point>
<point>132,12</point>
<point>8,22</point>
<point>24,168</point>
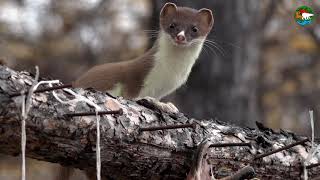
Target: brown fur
<point>129,73</point>
<point>183,17</point>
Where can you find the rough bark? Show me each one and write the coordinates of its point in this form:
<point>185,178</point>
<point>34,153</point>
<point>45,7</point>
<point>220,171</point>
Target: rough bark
<point>128,153</point>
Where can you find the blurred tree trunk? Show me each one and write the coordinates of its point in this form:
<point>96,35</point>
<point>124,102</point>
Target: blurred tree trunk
<point>225,86</point>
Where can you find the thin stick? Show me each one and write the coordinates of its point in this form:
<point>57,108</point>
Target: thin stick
<point>98,154</point>
<point>229,144</point>
<point>281,149</point>
<point>45,89</point>
<point>26,106</point>
<point>193,125</point>
<point>312,165</point>
<point>312,128</point>
<point>23,139</point>
<point>120,111</point>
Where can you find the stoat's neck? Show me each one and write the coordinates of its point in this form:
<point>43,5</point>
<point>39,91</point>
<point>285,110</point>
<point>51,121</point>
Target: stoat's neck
<point>172,66</point>
<point>179,57</point>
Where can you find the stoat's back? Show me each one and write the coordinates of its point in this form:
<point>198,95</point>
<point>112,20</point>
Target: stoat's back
<point>125,77</point>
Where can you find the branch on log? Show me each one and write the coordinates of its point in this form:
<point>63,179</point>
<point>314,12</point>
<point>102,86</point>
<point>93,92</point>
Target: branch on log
<point>129,153</point>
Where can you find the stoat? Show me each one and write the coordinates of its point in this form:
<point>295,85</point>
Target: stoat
<point>164,67</point>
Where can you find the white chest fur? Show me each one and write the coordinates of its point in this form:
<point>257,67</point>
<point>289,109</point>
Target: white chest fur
<point>171,69</point>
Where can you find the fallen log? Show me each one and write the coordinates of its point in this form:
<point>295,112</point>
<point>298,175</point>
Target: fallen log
<point>140,141</point>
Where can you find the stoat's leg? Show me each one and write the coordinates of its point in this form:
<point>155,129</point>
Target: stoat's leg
<point>200,168</point>
<point>166,107</point>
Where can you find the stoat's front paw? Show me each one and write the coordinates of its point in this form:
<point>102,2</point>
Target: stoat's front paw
<point>169,107</point>
<point>166,107</point>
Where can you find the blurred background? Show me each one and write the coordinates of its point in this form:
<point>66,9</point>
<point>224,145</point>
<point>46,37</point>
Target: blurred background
<point>264,66</point>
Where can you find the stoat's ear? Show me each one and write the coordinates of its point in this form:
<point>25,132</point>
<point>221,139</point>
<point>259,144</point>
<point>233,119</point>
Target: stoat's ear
<point>206,16</point>
<point>168,8</point>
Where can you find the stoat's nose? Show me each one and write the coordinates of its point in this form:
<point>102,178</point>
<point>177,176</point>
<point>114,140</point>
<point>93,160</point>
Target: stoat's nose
<point>180,38</point>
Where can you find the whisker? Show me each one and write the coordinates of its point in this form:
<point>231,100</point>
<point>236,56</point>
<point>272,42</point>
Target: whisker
<point>151,33</point>
<point>150,30</point>
<point>196,41</point>
<point>228,43</point>
<point>213,47</point>
<point>204,48</point>
<point>216,45</point>
<point>210,49</point>
<point>206,51</point>
<point>152,36</point>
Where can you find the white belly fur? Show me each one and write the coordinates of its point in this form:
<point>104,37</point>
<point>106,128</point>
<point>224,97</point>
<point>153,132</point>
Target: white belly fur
<point>171,69</point>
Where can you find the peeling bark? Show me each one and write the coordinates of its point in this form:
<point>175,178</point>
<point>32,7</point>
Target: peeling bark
<point>128,153</point>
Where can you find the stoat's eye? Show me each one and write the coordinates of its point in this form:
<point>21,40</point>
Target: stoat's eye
<point>172,26</point>
<point>194,29</point>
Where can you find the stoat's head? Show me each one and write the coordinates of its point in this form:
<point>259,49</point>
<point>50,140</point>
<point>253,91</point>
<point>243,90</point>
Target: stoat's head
<point>185,26</point>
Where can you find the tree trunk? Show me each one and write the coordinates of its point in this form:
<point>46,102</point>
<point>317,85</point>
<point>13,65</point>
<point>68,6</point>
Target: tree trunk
<point>127,152</point>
